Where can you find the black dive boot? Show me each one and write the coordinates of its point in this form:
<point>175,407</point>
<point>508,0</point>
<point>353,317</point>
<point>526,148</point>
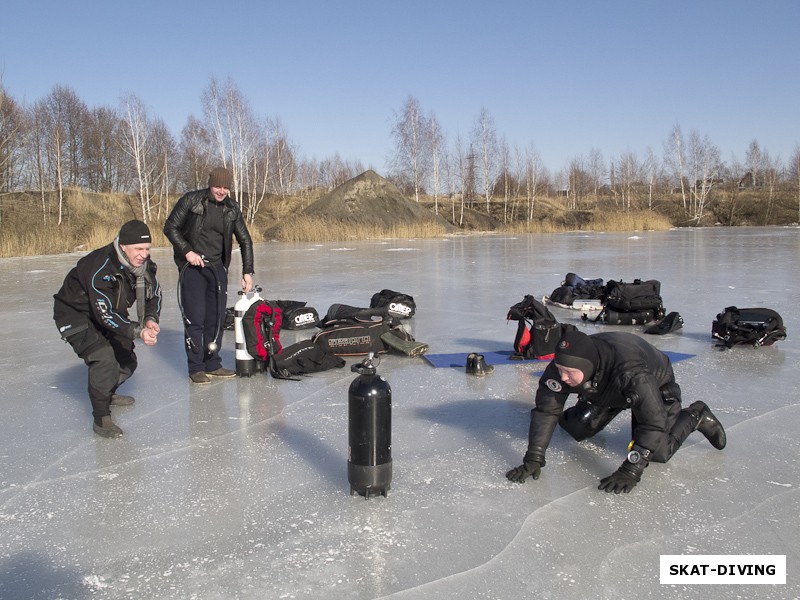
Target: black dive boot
<point>105,427</point>
<point>481,368</point>
<point>471,363</point>
<point>708,425</point>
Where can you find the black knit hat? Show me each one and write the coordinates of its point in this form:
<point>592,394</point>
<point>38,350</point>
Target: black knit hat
<point>134,232</point>
<point>220,177</point>
<point>576,350</point>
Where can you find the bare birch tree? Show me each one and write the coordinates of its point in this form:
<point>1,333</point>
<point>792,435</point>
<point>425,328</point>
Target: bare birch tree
<point>135,142</point>
<point>412,145</point>
<point>794,172</point>
<point>675,160</point>
<point>164,158</point>
<point>532,175</point>
<point>704,166</point>
<point>520,174</point>
<point>505,179</point>
<point>771,176</point>
<point>755,162</point>
<point>284,153</point>
<point>580,182</point>
<point>484,135</point>
<point>12,119</point>
<point>448,178</point>
<point>653,171</point>
<point>50,139</point>
<point>628,176</point>
<point>464,170</point>
<point>437,148</point>
<point>597,169</point>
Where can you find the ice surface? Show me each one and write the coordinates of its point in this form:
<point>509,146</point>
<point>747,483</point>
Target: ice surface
<point>239,489</point>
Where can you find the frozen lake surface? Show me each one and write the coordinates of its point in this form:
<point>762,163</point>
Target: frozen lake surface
<point>239,489</point>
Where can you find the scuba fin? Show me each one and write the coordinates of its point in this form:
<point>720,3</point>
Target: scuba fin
<point>672,322</point>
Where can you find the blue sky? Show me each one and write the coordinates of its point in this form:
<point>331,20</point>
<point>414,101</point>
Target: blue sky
<point>564,76</point>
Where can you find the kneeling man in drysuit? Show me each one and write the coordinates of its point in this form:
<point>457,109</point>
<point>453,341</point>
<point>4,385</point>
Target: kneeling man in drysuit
<point>612,372</point>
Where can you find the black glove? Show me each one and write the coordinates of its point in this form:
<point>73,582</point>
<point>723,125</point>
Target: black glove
<point>623,479</point>
<point>531,467</point>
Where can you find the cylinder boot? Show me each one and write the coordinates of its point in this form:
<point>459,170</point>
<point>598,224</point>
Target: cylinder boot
<point>708,425</point>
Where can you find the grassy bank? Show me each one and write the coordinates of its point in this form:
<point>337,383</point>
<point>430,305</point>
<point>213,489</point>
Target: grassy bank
<point>31,224</point>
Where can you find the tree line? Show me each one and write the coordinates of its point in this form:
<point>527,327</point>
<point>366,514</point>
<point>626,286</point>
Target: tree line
<point>59,142</point>
<point>485,169</point>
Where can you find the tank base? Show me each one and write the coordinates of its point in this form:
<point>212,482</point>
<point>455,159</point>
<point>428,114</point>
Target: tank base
<point>371,492</point>
<point>246,368</point>
<point>370,480</point>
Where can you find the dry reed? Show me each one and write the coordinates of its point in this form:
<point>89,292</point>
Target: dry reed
<point>315,229</point>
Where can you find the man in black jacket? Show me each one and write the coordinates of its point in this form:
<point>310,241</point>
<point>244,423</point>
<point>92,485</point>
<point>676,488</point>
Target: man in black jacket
<point>612,372</point>
<point>201,228</point>
<point>91,313</point>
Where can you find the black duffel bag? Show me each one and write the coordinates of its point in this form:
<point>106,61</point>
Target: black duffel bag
<point>397,304</point>
<point>636,297</point>
<point>296,315</point>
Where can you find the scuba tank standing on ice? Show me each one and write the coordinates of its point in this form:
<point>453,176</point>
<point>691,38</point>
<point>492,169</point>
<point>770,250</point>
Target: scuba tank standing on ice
<point>369,461</point>
<point>246,365</point>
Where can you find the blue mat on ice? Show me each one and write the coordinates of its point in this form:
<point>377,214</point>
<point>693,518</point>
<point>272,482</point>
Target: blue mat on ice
<point>503,357</point>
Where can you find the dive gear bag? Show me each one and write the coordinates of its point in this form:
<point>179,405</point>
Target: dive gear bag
<point>398,304</point>
<point>306,357</point>
<point>638,296</point>
<point>352,331</point>
<point>296,315</point>
<point>754,326</point>
<point>634,303</point>
<point>575,288</point>
<point>538,331</point>
<point>261,325</point>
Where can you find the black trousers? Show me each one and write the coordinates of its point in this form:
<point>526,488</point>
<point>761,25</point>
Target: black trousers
<point>204,295</point>
<point>110,358</point>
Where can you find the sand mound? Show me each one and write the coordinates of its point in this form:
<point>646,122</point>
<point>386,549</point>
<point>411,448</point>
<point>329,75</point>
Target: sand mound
<point>369,199</point>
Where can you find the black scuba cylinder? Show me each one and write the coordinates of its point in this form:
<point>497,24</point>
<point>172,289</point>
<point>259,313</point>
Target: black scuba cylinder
<point>369,461</point>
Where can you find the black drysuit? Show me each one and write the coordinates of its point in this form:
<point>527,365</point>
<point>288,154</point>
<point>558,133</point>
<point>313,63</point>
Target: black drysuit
<point>91,313</point>
<point>630,374</point>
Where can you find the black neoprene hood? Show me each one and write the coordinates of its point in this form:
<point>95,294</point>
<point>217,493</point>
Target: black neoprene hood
<point>576,350</point>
